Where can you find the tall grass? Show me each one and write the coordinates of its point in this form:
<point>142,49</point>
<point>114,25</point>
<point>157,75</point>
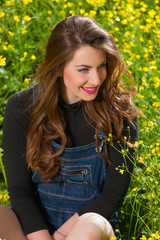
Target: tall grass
<point>25,27</point>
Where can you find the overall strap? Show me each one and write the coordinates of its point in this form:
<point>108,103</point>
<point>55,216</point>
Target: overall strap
<point>101,138</point>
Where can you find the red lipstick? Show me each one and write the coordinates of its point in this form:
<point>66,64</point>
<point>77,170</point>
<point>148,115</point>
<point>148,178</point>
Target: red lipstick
<point>89,90</point>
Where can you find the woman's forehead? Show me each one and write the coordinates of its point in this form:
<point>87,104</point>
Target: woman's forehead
<point>87,55</point>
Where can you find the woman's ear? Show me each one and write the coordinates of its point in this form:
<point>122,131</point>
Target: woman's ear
<point>60,74</point>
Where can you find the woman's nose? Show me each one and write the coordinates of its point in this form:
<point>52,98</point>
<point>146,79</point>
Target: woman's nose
<point>95,78</point>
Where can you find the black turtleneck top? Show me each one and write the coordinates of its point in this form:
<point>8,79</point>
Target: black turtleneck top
<point>78,133</point>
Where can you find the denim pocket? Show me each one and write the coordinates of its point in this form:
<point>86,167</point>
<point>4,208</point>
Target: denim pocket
<point>81,174</point>
<point>72,183</point>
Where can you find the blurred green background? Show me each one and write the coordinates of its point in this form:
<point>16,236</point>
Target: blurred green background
<point>25,26</point>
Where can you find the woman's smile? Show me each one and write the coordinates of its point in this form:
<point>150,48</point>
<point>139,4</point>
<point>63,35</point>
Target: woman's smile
<point>90,90</point>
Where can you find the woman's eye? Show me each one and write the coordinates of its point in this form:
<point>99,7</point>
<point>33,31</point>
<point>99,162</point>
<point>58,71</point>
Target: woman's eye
<point>103,65</point>
<point>84,70</point>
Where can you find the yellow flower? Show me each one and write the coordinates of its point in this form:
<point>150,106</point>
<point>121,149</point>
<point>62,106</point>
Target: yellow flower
<point>121,171</point>
<point>8,3</point>
<point>82,11</point>
<point>86,14</point>
<point>134,189</point>
<point>142,27</point>
<point>158,20</point>
<point>95,2</point>
<point>113,238</point>
<point>11,33</point>
<point>116,29</point>
<point>124,21</point>
<point>155,202</point>
<point>16,18</point>
<point>148,169</point>
<point>26,80</point>
<point>141,160</point>
<point>103,12</point>
<point>157,85</point>
<point>33,57</point>
<point>152,13</point>
<point>2,14</point>
<point>27,1</point>
<point>69,4</point>
<point>23,31</point>
<point>25,54</point>
<point>22,59</point>
<point>143,237</point>
<point>2,61</point>
<point>138,56</point>
<point>4,48</point>
<point>155,235</point>
<point>154,97</point>
<point>110,14</point>
<point>26,18</point>
<point>150,124</point>
<point>146,56</point>
<point>92,13</point>
<point>146,69</point>
<point>136,144</point>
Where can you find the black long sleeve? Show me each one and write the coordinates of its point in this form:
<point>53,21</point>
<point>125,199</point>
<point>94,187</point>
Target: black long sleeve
<point>20,187</point>
<point>19,181</point>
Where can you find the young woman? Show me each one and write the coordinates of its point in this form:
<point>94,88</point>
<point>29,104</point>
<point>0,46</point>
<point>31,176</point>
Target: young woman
<point>66,173</point>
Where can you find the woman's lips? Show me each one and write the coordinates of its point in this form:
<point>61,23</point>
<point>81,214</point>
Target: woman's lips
<point>89,90</point>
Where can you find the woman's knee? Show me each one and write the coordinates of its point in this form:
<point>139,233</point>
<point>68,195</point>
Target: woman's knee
<point>97,224</point>
<point>10,228</point>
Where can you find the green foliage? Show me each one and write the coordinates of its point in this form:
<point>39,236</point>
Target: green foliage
<point>25,26</point>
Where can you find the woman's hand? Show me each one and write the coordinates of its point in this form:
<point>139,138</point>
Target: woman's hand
<point>65,228</point>
<point>57,236</point>
<point>39,235</point>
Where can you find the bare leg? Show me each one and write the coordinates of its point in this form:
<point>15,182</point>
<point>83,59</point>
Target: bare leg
<point>91,226</point>
<point>10,228</point>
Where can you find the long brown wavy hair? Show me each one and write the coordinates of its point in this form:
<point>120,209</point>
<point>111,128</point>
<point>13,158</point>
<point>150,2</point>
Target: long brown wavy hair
<point>107,110</point>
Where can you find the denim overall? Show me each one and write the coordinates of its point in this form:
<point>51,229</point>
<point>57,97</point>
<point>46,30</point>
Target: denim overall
<point>79,181</point>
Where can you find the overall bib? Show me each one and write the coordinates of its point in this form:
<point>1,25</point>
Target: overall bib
<point>79,181</point>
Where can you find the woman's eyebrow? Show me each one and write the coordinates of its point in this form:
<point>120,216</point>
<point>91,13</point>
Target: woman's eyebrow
<point>83,65</point>
<point>87,66</point>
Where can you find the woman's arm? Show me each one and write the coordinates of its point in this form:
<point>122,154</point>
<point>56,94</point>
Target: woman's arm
<point>116,184</point>
<point>15,126</point>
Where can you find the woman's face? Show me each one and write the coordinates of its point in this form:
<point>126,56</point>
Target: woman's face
<point>83,75</point>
